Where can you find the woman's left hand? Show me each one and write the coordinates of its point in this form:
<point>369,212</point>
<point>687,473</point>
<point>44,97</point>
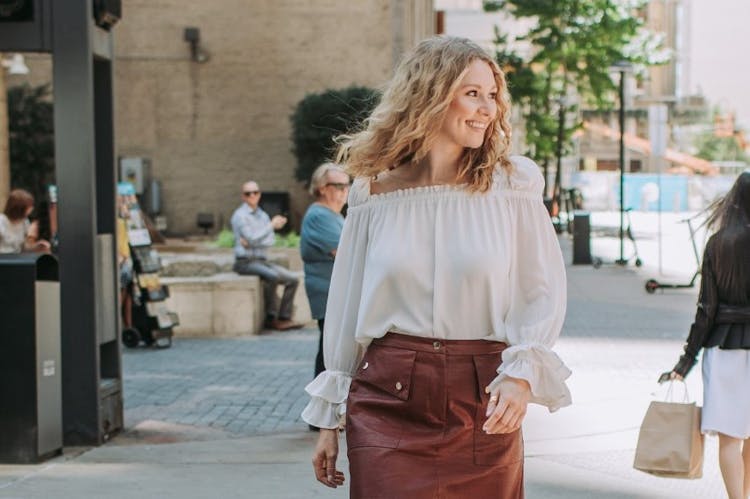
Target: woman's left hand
<point>507,406</point>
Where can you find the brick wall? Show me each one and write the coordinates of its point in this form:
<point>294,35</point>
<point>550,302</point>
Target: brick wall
<point>208,127</point>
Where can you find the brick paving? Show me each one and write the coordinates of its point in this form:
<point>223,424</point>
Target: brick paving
<point>244,386</point>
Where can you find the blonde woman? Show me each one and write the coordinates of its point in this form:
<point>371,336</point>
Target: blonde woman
<point>447,294</point>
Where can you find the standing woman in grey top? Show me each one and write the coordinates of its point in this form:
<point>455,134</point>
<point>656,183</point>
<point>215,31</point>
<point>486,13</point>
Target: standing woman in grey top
<point>447,294</point>
<point>321,230</point>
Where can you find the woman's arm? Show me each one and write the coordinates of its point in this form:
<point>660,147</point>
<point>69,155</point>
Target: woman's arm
<point>708,304</point>
<point>530,370</point>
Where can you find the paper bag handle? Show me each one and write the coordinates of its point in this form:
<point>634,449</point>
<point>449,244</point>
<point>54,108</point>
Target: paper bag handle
<point>669,397</point>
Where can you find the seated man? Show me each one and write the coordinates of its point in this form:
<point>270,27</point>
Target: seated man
<point>253,235</point>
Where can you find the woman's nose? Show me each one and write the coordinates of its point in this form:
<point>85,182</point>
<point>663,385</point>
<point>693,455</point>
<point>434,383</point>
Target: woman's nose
<point>487,104</point>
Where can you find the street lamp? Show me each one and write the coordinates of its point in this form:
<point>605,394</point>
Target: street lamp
<point>622,67</point>
<point>15,66</point>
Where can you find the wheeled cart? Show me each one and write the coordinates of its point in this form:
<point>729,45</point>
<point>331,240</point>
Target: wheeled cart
<point>150,321</point>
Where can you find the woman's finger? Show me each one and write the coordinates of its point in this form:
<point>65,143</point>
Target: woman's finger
<point>516,421</point>
<point>339,478</point>
<point>331,469</point>
<point>497,413</point>
<point>319,468</point>
<point>492,404</point>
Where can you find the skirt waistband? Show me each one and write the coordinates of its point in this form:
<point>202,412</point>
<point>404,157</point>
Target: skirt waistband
<point>441,346</point>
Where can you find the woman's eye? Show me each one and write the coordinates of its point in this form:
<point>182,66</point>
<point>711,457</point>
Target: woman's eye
<point>493,96</point>
<point>472,93</point>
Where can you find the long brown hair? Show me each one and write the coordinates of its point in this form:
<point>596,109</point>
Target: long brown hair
<point>404,125</point>
<point>730,217</point>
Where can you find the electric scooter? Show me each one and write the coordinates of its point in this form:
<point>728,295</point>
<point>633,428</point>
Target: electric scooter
<point>652,284</point>
<point>597,262</point>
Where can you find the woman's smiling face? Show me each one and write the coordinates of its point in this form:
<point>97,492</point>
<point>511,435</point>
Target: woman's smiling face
<point>473,108</point>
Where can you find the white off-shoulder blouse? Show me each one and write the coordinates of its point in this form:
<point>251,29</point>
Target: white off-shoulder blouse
<point>441,262</point>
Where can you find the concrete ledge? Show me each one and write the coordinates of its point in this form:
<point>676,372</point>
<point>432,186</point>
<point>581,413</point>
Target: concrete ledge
<point>206,264</point>
<point>224,304</point>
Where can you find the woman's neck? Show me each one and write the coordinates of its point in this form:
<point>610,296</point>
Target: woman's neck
<point>438,167</point>
<point>331,206</point>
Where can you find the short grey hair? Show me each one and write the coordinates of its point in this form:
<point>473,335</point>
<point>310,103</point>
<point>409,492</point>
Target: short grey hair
<point>319,176</point>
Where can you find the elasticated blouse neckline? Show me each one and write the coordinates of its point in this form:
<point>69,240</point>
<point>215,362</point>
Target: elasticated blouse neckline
<point>415,192</point>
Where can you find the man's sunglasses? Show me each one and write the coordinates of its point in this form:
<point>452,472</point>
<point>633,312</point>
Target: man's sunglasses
<point>251,193</point>
<point>338,185</point>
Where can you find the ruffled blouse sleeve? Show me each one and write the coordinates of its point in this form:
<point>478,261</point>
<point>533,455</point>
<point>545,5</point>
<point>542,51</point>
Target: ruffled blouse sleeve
<point>341,352</point>
<point>538,293</point>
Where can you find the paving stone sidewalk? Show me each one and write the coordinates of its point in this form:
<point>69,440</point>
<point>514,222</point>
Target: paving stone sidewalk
<point>244,386</point>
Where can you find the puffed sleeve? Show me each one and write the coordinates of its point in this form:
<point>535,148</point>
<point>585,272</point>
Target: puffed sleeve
<point>341,352</point>
<point>538,293</point>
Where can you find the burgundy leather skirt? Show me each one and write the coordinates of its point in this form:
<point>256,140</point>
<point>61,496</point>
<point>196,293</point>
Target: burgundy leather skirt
<point>414,423</point>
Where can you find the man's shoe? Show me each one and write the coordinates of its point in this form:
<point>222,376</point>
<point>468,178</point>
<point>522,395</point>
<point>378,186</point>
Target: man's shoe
<point>284,324</point>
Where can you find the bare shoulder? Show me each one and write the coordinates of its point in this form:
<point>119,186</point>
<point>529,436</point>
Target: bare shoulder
<point>386,182</point>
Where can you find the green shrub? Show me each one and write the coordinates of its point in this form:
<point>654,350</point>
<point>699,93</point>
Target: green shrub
<point>319,118</point>
<point>32,143</point>
<point>290,240</point>
<point>225,239</point>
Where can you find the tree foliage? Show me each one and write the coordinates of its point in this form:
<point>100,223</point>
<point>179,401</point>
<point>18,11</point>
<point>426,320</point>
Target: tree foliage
<point>319,118</point>
<point>564,61</point>
<point>715,148</point>
<point>32,143</point>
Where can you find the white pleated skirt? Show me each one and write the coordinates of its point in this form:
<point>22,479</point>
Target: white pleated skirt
<point>726,392</point>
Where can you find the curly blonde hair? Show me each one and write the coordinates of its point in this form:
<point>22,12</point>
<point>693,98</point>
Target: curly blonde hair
<point>405,124</point>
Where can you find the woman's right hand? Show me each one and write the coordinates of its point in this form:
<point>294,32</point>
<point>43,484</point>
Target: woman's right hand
<point>42,246</point>
<point>670,376</point>
<point>324,459</point>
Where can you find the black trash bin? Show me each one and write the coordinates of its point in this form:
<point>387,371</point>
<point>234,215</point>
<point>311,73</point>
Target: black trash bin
<point>581,237</point>
<point>30,379</point>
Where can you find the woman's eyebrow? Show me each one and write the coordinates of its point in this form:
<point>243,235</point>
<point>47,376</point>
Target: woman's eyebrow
<point>494,87</point>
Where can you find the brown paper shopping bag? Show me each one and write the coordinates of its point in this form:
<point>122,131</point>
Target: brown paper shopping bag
<point>670,442</point>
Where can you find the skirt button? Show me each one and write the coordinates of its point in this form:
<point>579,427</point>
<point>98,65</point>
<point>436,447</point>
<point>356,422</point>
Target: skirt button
<point>399,386</point>
<point>367,364</point>
<point>436,345</point>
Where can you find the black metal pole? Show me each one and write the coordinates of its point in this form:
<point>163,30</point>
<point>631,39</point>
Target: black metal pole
<point>622,261</point>
<point>557,189</point>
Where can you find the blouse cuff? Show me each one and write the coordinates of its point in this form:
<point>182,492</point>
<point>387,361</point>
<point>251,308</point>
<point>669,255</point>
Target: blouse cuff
<point>328,396</point>
<point>542,368</point>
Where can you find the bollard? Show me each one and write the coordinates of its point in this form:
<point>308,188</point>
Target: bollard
<point>581,237</point>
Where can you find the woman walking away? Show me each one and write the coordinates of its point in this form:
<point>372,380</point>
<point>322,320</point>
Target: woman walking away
<point>447,293</point>
<point>722,329</point>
